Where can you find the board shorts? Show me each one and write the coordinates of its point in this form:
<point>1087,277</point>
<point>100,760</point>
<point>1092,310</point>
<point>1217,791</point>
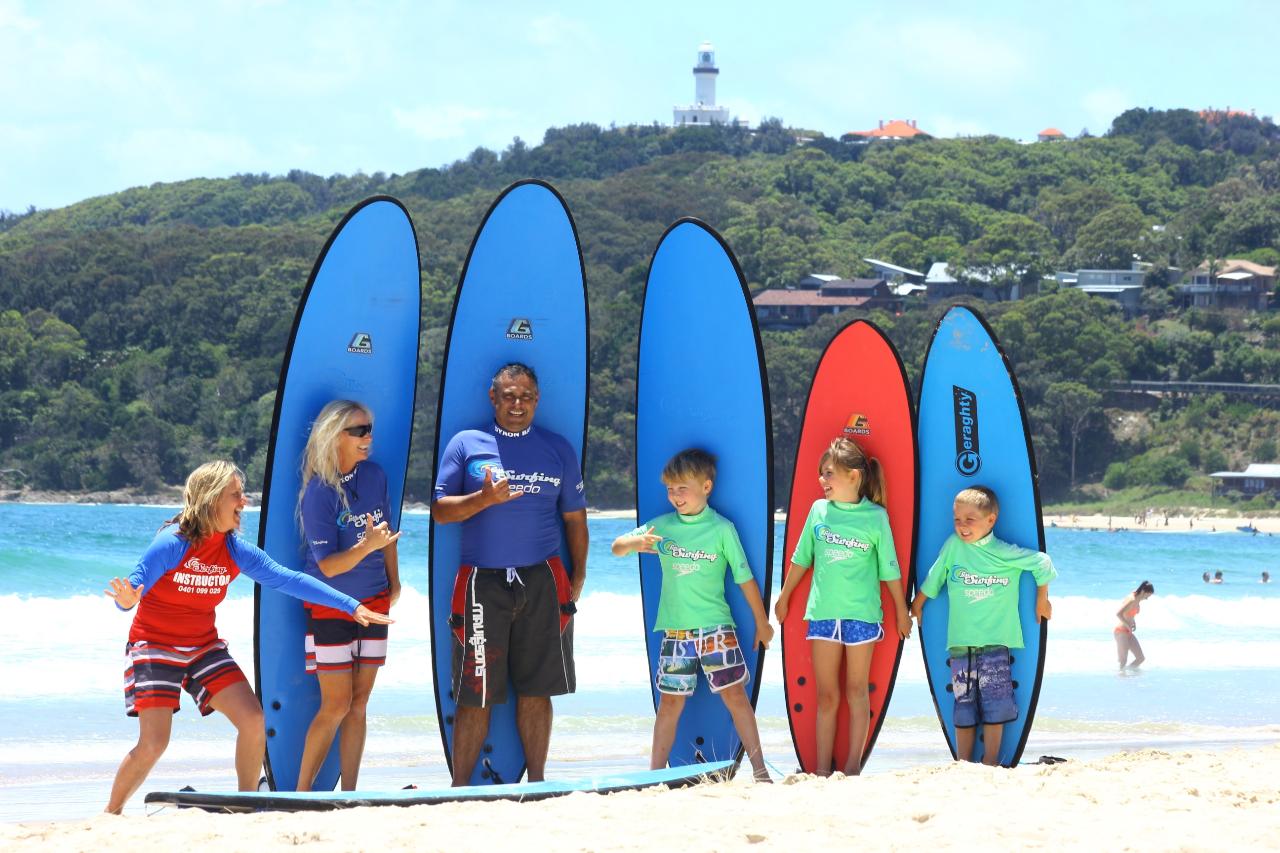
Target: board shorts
<point>514,623</point>
<point>336,642</point>
<point>714,650</point>
<point>848,632</point>
<point>155,675</point>
<point>982,685</point>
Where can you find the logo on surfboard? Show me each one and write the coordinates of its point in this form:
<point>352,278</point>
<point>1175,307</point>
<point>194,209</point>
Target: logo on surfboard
<point>520,329</point>
<point>361,342</point>
<point>857,425</point>
<point>968,454</point>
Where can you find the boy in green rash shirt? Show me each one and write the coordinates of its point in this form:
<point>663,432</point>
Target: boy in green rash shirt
<point>981,574</point>
<point>695,546</point>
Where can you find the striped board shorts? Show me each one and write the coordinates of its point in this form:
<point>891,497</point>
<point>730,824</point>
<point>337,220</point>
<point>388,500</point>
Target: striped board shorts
<point>337,643</point>
<point>155,675</point>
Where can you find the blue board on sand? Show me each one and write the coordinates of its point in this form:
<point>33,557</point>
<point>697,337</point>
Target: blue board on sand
<point>969,385</point>
<point>522,297</point>
<point>700,382</point>
<point>355,336</point>
<point>604,783</point>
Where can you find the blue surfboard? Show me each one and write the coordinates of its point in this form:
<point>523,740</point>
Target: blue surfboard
<point>972,430</point>
<point>700,382</point>
<point>290,801</point>
<point>355,336</point>
<point>522,297</point>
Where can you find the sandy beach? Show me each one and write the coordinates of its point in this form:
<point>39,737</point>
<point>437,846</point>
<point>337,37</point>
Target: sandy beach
<point>1145,800</point>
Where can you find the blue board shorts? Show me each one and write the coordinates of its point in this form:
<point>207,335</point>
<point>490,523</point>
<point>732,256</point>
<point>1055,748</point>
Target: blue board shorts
<point>982,684</point>
<point>715,650</point>
<point>849,632</point>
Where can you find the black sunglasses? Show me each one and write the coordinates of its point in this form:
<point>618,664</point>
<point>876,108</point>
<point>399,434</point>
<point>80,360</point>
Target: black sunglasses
<point>359,430</point>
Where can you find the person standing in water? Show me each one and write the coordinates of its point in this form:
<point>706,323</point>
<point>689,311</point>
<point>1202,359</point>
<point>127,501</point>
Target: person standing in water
<point>1126,642</point>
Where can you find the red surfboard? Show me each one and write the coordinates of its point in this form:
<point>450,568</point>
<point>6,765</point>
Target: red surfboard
<point>859,391</point>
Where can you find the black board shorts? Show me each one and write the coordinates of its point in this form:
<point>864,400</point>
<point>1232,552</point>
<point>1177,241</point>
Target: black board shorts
<point>514,623</point>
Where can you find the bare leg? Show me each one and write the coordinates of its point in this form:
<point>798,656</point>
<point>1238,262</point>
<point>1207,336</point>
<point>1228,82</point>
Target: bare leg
<point>857,665</point>
<point>826,675</point>
<point>154,726</point>
<point>470,727</point>
<point>1136,648</point>
<point>964,742</point>
<point>991,734</point>
<point>351,736</point>
<point>335,702</point>
<point>664,729</point>
<point>1122,647</point>
<point>533,721</point>
<point>744,722</point>
<point>241,707</point>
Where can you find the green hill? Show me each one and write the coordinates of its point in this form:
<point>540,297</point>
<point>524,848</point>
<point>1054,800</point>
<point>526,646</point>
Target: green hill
<point>142,332</point>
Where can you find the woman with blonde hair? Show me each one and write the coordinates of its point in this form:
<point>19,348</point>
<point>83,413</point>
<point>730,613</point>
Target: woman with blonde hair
<point>174,644</point>
<point>345,513</point>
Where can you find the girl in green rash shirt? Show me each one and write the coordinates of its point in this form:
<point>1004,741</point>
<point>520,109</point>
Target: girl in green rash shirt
<point>848,543</point>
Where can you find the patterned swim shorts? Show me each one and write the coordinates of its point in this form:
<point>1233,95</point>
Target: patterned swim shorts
<point>849,632</point>
<point>982,684</point>
<point>715,650</point>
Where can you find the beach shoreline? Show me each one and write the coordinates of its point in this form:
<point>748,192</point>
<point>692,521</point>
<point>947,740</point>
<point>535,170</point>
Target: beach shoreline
<point>1146,799</point>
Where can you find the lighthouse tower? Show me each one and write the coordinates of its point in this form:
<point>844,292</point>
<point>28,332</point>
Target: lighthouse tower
<point>704,109</point>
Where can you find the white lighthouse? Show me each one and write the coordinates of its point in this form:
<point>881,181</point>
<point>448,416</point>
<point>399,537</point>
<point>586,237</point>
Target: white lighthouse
<point>703,110</point>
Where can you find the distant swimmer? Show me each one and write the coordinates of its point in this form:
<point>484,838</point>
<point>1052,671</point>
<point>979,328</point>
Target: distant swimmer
<point>1205,577</point>
<point>1266,577</point>
<point>1217,577</point>
<point>1126,642</point>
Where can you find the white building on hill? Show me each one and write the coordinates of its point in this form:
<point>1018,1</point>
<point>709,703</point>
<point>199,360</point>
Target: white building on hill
<point>703,110</point>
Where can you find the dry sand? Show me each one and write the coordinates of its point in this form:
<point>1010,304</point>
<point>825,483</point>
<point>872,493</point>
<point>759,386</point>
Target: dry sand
<point>1147,800</point>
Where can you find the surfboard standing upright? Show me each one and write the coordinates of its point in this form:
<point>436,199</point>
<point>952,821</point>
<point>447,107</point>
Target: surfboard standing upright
<point>700,382</point>
<point>859,391</point>
<point>522,297</point>
<point>355,336</point>
<point>973,432</point>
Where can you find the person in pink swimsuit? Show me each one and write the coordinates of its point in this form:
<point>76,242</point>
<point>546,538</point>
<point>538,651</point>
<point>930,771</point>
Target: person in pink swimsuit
<point>1126,643</point>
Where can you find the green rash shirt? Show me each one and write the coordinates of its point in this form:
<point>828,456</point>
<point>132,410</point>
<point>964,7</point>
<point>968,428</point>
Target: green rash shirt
<point>694,552</point>
<point>850,547</point>
<point>982,582</point>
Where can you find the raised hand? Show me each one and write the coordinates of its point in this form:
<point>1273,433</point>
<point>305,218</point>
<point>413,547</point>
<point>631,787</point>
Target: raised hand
<point>378,536</point>
<point>647,542</point>
<point>365,616</point>
<point>123,594</point>
<point>497,491</point>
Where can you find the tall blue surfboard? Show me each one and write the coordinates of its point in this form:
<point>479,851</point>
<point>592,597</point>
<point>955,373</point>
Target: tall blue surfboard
<point>355,336</point>
<point>701,382</point>
<point>972,431</point>
<point>522,297</point>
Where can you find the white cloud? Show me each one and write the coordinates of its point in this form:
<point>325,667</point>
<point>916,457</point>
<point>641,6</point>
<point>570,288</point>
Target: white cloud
<point>12,17</point>
<point>1101,106</point>
<point>168,154</point>
<point>555,30</point>
<point>449,121</point>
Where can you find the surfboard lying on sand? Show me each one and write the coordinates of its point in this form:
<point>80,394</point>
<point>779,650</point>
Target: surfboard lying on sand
<point>522,297</point>
<point>859,391</point>
<point>973,431</point>
<point>355,336</point>
<point>605,783</point>
<point>700,382</point>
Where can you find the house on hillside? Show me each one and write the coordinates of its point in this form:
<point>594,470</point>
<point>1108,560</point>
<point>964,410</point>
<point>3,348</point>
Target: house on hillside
<point>1124,287</point>
<point>1230,283</point>
<point>818,295</point>
<point>1255,479</point>
<point>1001,285</point>
<point>888,130</point>
<point>1050,134</point>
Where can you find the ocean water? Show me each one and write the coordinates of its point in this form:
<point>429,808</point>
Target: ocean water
<point>1212,675</point>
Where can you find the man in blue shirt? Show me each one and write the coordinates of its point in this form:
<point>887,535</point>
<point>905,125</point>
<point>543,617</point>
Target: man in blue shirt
<point>512,486</point>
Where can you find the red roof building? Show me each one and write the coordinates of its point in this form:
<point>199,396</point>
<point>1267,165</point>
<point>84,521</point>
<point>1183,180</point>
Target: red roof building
<point>1050,134</point>
<point>892,129</point>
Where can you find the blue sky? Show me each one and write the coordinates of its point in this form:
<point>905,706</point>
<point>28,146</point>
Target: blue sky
<point>97,97</point>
